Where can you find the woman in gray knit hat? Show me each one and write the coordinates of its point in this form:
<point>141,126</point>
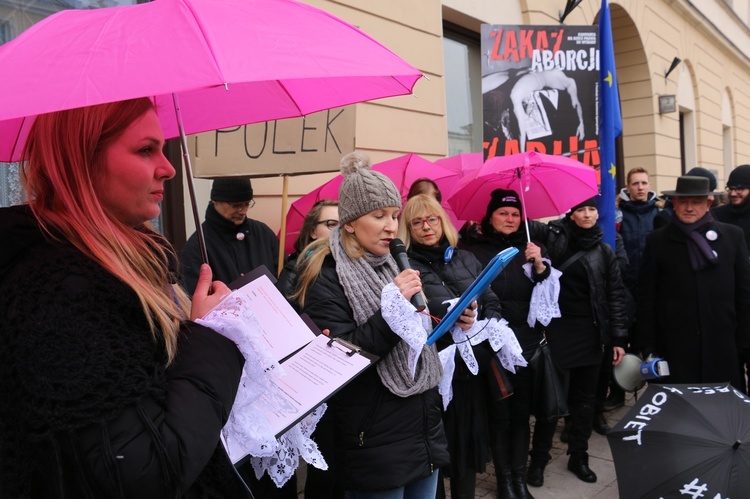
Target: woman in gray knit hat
<point>388,428</point>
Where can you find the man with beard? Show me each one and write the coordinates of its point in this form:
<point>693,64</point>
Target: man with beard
<point>737,212</point>
<point>694,291</point>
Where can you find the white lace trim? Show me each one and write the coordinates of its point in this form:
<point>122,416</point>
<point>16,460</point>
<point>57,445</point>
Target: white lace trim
<point>543,306</point>
<point>501,337</point>
<point>247,431</point>
<point>404,320</point>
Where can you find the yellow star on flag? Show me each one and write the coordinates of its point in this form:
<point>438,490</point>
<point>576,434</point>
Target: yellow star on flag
<point>608,79</point>
<point>612,170</point>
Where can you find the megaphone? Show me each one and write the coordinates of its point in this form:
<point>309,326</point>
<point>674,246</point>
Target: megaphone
<point>632,372</point>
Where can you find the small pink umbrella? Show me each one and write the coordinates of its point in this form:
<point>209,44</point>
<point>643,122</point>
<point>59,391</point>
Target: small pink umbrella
<point>548,185</point>
<point>463,164</point>
<point>207,64</point>
<point>402,170</point>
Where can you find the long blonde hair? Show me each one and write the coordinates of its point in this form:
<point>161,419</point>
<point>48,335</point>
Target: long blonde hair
<point>424,203</point>
<point>310,261</point>
<point>62,160</point>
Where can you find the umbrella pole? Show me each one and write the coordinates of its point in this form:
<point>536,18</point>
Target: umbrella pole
<point>282,233</point>
<point>523,205</point>
<point>189,178</point>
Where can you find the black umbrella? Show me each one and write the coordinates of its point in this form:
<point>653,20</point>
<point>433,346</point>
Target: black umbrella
<point>684,440</point>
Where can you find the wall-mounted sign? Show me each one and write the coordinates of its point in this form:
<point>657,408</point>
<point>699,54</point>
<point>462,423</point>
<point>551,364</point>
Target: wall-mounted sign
<point>667,104</point>
<point>295,146</point>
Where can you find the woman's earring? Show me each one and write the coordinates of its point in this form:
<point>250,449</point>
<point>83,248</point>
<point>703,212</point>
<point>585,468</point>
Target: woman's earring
<point>350,230</point>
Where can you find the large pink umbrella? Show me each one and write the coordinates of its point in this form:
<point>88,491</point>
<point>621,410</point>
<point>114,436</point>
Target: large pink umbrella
<point>548,185</point>
<point>402,170</point>
<point>207,64</point>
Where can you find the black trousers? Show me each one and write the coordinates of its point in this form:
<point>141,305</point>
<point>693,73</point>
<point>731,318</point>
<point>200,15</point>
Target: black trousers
<point>580,384</point>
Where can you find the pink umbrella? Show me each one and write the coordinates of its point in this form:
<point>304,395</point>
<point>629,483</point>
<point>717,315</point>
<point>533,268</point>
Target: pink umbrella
<point>548,185</point>
<point>207,64</point>
<point>463,163</point>
<point>403,171</point>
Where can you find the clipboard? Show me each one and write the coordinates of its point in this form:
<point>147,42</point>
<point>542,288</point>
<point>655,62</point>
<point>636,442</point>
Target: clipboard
<point>316,366</point>
<point>476,288</point>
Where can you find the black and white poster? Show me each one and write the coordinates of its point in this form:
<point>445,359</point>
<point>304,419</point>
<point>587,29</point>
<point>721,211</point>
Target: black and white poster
<point>540,90</point>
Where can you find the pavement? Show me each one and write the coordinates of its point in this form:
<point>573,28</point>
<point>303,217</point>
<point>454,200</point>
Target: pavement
<point>559,483</point>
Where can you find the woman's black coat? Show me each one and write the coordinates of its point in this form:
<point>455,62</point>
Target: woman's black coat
<point>608,296</point>
<point>382,441</point>
<point>512,287</point>
<point>88,408</point>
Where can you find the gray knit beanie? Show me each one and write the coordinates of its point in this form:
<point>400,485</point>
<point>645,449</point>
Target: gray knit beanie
<point>363,190</point>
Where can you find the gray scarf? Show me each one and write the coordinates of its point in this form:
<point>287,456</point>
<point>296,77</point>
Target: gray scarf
<point>363,281</point>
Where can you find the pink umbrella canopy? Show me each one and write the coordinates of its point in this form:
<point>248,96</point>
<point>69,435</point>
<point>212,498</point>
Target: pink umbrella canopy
<point>403,171</point>
<point>230,62</point>
<point>463,163</point>
<point>548,185</point>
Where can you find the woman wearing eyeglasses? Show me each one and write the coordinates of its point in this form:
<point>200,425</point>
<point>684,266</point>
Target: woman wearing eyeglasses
<point>446,272</point>
<point>235,243</point>
<point>322,218</point>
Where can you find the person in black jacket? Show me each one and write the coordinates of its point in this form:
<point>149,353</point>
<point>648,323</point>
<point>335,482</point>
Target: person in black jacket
<point>502,229</point>
<point>389,434</point>
<point>322,218</point>
<point>592,303</point>
<point>235,243</point>
<point>109,389</point>
<point>446,273</point>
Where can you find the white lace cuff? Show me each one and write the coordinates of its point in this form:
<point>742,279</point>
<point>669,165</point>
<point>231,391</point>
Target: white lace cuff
<point>247,431</point>
<point>404,320</point>
<point>448,360</point>
<point>543,306</point>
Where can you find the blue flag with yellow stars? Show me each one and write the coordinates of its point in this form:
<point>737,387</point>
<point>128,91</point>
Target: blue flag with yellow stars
<point>610,125</point>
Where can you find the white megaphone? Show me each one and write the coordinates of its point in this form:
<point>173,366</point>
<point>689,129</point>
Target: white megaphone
<point>632,372</point>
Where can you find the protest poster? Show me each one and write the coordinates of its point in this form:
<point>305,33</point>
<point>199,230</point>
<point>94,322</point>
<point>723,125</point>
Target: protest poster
<point>540,91</point>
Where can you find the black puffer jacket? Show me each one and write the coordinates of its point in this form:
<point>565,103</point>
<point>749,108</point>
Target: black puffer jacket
<point>608,296</point>
<point>382,441</point>
<point>88,409</point>
<point>512,287</point>
<point>443,281</point>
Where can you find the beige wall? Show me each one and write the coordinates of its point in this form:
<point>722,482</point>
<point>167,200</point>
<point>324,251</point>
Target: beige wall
<point>648,35</point>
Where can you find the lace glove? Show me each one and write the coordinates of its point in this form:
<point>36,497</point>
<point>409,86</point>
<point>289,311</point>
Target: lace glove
<point>543,306</point>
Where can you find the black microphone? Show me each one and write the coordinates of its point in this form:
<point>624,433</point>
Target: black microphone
<point>398,252</point>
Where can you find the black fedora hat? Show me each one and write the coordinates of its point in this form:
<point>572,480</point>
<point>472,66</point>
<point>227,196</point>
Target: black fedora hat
<point>690,186</point>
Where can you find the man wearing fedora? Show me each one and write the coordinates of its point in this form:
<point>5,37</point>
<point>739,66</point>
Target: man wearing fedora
<point>235,243</point>
<point>694,291</point>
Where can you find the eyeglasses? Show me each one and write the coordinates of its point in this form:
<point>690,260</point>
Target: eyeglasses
<point>736,188</point>
<point>330,223</point>
<point>240,206</point>
<point>432,221</point>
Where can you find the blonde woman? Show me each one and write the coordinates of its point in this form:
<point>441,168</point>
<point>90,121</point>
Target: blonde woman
<point>389,434</point>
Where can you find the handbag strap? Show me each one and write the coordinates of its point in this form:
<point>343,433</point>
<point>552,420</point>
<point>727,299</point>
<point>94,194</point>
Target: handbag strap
<point>567,263</point>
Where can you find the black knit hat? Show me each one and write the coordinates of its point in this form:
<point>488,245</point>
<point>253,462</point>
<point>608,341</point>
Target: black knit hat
<point>232,190</point>
<point>589,202</point>
<point>501,198</point>
<point>739,176</point>
<point>699,171</point>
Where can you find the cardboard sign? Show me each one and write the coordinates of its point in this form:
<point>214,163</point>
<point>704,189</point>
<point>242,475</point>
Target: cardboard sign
<point>311,144</point>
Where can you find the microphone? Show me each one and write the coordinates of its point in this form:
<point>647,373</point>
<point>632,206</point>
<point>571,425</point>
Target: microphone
<point>398,252</point>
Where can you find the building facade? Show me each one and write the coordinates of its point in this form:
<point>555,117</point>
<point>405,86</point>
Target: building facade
<point>709,126</point>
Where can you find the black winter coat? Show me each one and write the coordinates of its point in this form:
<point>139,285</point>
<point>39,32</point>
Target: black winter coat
<point>88,408</point>
<point>230,258</point>
<point>382,441</point>
<point>735,215</point>
<point>607,291</point>
<point>695,320</point>
<point>512,287</point>
<point>443,281</point>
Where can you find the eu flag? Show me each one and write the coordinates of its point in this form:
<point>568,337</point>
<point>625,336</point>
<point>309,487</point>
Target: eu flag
<point>610,124</point>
